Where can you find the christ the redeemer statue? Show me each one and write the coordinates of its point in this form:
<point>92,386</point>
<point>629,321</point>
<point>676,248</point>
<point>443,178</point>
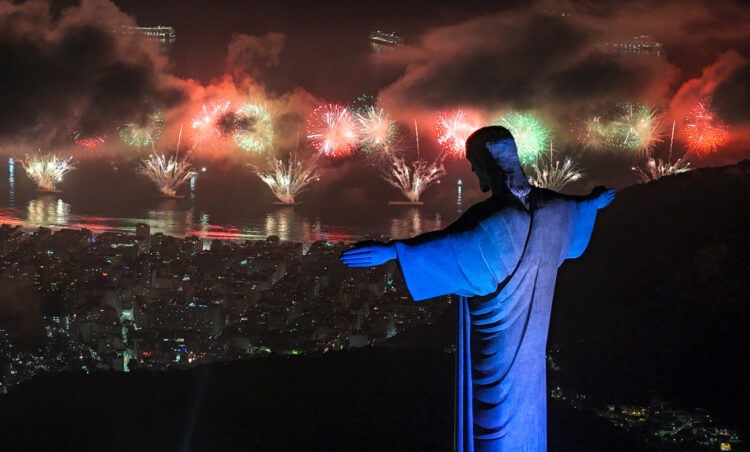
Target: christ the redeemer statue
<point>501,258</point>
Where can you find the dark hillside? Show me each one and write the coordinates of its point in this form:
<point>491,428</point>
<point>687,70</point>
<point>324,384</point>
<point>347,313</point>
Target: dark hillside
<point>659,304</point>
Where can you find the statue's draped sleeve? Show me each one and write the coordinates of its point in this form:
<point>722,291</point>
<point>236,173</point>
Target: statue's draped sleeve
<point>502,260</point>
<point>468,258</point>
<point>581,212</point>
<point>447,263</point>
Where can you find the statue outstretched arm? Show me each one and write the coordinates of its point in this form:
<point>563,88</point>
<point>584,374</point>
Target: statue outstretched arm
<point>602,196</point>
<point>580,223</point>
<point>466,258</point>
<point>369,254</point>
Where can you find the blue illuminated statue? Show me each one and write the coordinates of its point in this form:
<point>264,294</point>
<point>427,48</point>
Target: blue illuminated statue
<point>501,258</point>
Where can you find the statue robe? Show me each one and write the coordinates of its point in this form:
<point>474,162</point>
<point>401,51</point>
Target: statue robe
<point>502,260</point>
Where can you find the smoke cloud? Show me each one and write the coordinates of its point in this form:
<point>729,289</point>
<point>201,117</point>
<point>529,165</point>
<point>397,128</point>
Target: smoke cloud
<point>83,69</point>
<point>251,54</point>
<point>732,96</point>
<point>557,59</point>
<point>695,90</point>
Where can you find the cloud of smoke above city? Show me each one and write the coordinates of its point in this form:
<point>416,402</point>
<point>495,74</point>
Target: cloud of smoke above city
<point>78,70</point>
<point>81,68</point>
<point>552,58</point>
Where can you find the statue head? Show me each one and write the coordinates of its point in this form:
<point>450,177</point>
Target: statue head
<point>494,158</point>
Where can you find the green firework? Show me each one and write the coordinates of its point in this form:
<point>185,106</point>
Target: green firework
<point>254,128</point>
<point>145,133</point>
<point>531,137</point>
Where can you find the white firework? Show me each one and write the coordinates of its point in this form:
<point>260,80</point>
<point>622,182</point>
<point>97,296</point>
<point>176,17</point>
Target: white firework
<point>166,173</point>
<point>413,179</point>
<point>47,170</point>
<point>638,129</point>
<point>287,180</point>
<point>657,168</point>
<point>376,129</point>
<point>554,176</point>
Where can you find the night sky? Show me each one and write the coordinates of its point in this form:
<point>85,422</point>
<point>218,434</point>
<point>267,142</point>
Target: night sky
<point>66,69</point>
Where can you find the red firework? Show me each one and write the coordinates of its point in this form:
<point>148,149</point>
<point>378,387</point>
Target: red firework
<point>86,141</point>
<point>332,130</point>
<point>704,132</point>
<point>453,127</point>
<point>206,120</point>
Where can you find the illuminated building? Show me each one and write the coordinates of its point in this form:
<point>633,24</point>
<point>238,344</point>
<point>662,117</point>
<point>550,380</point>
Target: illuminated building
<point>632,45</point>
<point>382,37</point>
<point>164,35</point>
<point>142,231</point>
<point>381,40</point>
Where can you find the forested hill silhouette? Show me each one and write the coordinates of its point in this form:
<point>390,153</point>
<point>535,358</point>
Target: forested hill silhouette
<point>656,307</point>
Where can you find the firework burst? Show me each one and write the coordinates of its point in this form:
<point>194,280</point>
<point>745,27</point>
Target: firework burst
<point>530,135</point>
<point>554,176</point>
<point>593,133</point>
<point>287,180</point>
<point>332,130</point>
<point>363,103</point>
<point>143,134</point>
<point>637,129</point>
<point>704,132</point>
<point>166,173</point>
<point>205,123</point>
<point>657,168</point>
<point>253,128</point>
<point>376,129</point>
<point>47,170</point>
<point>86,141</point>
<point>453,127</point>
<point>412,180</point>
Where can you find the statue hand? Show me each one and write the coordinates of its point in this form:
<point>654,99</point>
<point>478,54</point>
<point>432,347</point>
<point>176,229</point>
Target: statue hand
<point>368,254</point>
<point>602,196</point>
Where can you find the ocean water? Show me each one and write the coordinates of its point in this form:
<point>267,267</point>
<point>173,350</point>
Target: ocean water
<point>218,206</point>
<point>178,218</point>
